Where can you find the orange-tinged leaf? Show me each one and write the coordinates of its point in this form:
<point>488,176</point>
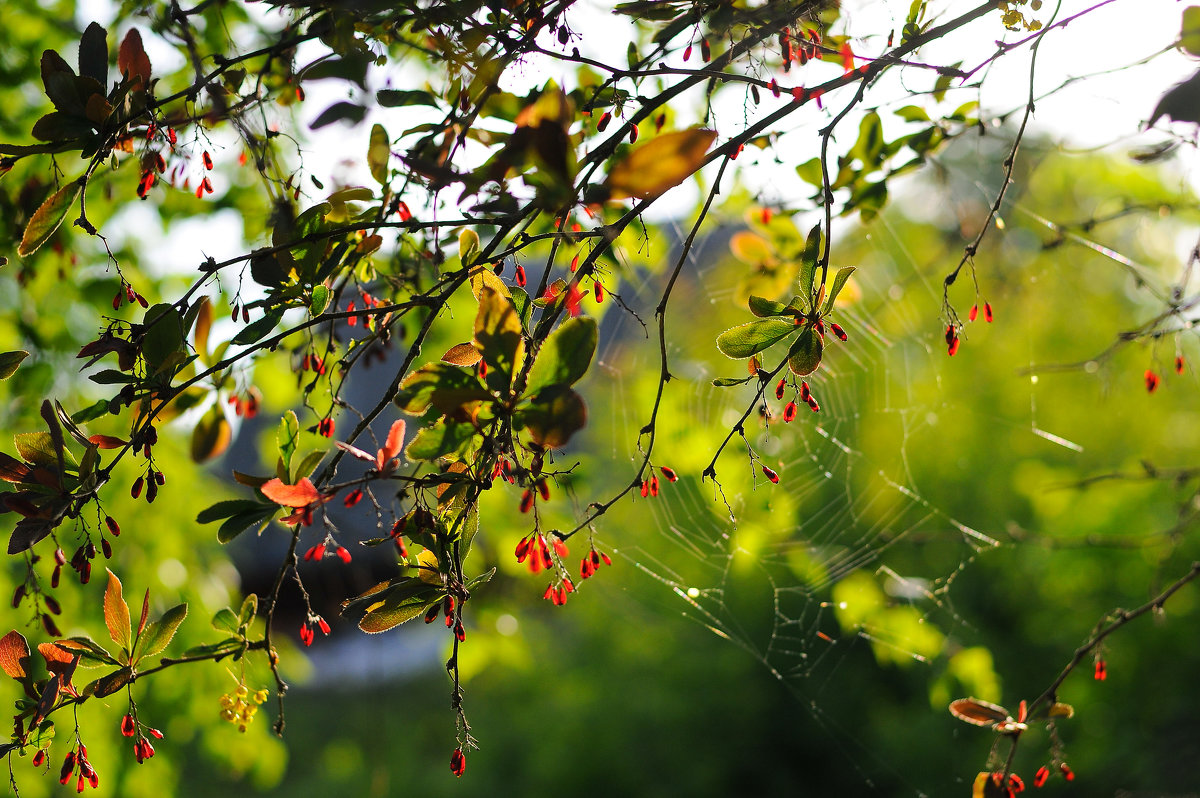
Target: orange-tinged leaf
<point>204,320</point>
<point>659,164</point>
<point>14,655</point>
<point>47,218</point>
<point>211,436</point>
<point>977,712</point>
<point>132,60</point>
<point>145,612</point>
<point>302,494</point>
<point>116,612</point>
<point>462,355</point>
<point>751,248</point>
<point>107,442</point>
<point>46,702</point>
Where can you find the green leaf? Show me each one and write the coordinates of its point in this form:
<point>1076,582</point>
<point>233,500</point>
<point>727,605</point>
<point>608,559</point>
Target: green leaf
<point>248,610</point>
<point>287,436</point>
<point>839,282</point>
<point>442,385</point>
<point>319,300</point>
<point>400,589</point>
<point>498,337</point>
<point>439,440</point>
<point>558,413</point>
<point>805,354</point>
<point>164,334</point>
<point>468,246</point>
<point>47,218</point>
<point>810,172</point>
<point>395,98</point>
<point>9,361</point>
<point>729,382</point>
<point>808,260</point>
<point>227,509</point>
<point>158,633</point>
<point>307,465</point>
<point>761,306</point>
<point>1189,35</point>
<point>36,448</point>
<point>870,140</point>
<point>256,331</point>
<point>225,621</point>
<point>565,355</point>
<point>378,153</point>
<point>239,523</point>
<point>392,612</point>
<point>751,338</point>
<point>116,612</point>
<point>913,113</point>
<point>339,112</point>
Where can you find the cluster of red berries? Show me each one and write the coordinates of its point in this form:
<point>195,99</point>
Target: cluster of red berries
<point>126,292</point>
<point>307,635</point>
<point>87,773</point>
<point>535,544</point>
<point>318,552</point>
<point>650,484</point>
<point>528,498</point>
<point>591,563</point>
<point>248,407</point>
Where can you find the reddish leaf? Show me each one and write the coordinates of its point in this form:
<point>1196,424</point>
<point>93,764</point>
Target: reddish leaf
<point>14,655</point>
<point>116,612</point>
<point>12,469</point>
<point>107,442</point>
<point>393,444</point>
<point>145,612</point>
<point>302,494</point>
<point>46,702</point>
<point>132,60</point>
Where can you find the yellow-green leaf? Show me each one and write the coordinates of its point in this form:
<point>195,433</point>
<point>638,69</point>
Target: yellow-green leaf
<point>211,436</point>
<point>751,338</point>
<point>1189,35</point>
<point>47,218</point>
<point>378,153</point>
<point>660,164</point>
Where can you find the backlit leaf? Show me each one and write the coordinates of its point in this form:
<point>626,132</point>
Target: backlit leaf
<point>158,633</point>
<point>977,712</point>
<point>302,494</point>
<point>14,655</point>
<point>1189,35</point>
<point>553,419</point>
<point>839,282</point>
<point>462,355</point>
<point>659,164</point>
<point>753,337</point>
<point>47,218</point>
<point>805,354</point>
<point>132,61</point>
<point>116,612</point>
<point>211,436</point>
<point>378,153</point>
<point>9,361</point>
<point>320,299</point>
<point>565,355</point>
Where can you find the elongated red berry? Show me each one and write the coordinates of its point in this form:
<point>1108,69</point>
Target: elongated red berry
<point>1179,364</point>
<point>432,613</point>
<point>343,554</point>
<point>789,412</point>
<point>645,488</point>
<point>526,501</point>
<point>353,497</point>
<point>1151,382</point>
<point>543,490</point>
<point>974,313</point>
<point>669,473</point>
<point>987,312</point>
<point>838,331</point>
<point>127,726</point>
<point>458,762</point>
<point>208,163</point>
<point>522,550</point>
<point>771,475</point>
<point>779,389</point>
<point>705,50</point>
<point>1101,670</point>
<point>1068,774</point>
<point>1040,777</point>
<point>560,547</point>
<point>520,276</point>
<point>603,123</point>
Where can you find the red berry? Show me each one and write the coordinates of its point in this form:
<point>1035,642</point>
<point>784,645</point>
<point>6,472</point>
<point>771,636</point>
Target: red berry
<point>343,553</point>
<point>974,313</point>
<point>1151,383</point>
<point>1068,774</point>
<point>458,762</point>
<point>1101,670</point>
<point>520,276</point>
<point>987,312</point>
<point>771,475</point>
<point>669,473</point>
<point>526,501</point>
<point>779,389</point>
<point>789,412</point>
<point>128,727</point>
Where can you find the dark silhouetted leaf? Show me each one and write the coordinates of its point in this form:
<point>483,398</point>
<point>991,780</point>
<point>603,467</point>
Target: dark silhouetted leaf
<point>93,53</point>
<point>554,418</point>
<point>340,112</point>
